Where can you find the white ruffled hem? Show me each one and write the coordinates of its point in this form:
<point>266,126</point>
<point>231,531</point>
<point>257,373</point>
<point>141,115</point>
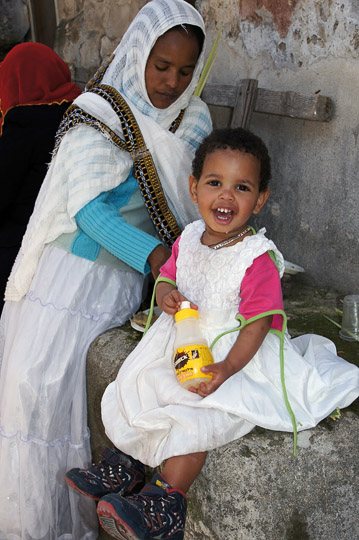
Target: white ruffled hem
<point>43,409</point>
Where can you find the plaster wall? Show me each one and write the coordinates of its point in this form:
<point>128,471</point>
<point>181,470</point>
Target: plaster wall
<point>89,30</point>
<point>305,46</point>
<point>14,24</point>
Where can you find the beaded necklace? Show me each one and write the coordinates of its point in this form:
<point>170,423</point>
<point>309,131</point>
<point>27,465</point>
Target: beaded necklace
<point>229,240</point>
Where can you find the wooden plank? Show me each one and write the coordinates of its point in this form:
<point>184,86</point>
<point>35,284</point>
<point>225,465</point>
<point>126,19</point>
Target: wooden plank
<point>314,107</point>
<point>245,103</point>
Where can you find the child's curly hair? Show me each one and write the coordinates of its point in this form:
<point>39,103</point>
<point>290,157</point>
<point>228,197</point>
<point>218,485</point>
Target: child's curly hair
<point>235,139</point>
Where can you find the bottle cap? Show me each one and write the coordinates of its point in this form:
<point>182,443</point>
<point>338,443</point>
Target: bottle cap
<point>185,312</point>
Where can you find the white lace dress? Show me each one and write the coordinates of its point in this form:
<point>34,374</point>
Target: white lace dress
<point>148,414</point>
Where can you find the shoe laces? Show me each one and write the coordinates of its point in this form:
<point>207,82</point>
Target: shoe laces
<point>111,475</point>
<point>158,513</point>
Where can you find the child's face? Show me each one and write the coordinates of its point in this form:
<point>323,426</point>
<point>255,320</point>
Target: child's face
<point>227,192</point>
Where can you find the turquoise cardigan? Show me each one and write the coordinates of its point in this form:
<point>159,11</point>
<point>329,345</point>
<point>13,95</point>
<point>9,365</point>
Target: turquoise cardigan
<point>117,221</point>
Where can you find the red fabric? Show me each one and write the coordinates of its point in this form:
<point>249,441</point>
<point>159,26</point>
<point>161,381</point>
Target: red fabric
<point>169,269</point>
<point>33,74</point>
<point>261,289</point>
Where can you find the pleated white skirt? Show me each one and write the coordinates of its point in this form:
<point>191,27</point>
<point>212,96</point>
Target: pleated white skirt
<point>148,415</point>
<point>44,340</point>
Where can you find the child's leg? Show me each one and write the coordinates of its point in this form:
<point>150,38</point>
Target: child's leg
<point>159,509</point>
<point>181,471</point>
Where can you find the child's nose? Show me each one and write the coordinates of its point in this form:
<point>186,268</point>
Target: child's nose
<point>227,194</point>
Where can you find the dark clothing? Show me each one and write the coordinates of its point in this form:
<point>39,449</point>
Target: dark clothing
<point>25,152</point>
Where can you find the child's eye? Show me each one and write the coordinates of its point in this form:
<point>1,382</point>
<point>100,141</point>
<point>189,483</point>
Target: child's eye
<point>242,187</point>
<point>214,183</point>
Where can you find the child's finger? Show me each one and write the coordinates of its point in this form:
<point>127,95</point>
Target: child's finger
<point>203,390</point>
<point>210,368</point>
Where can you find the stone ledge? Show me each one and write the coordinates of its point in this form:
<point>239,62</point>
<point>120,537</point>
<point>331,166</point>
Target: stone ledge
<point>253,488</point>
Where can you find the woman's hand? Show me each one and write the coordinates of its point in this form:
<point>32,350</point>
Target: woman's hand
<point>221,372</point>
<point>157,258</point>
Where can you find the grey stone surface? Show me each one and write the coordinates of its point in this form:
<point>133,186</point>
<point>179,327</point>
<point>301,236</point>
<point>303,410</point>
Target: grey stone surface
<point>89,31</point>
<point>253,488</point>
<point>306,47</point>
<point>14,22</point>
<point>104,359</point>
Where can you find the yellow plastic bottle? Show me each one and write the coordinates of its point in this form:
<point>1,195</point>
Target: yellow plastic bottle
<point>191,351</point>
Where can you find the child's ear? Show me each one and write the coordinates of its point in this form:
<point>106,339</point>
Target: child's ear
<point>262,199</point>
<point>193,188</point>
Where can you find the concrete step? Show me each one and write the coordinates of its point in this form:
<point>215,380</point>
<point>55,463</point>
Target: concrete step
<point>253,488</point>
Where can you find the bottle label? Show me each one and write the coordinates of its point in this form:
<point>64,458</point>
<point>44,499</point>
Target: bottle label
<point>189,360</point>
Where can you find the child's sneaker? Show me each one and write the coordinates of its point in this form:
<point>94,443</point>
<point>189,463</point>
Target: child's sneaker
<point>116,473</point>
<point>157,512</point>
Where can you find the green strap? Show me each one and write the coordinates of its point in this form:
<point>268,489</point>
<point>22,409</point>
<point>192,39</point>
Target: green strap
<point>150,314</point>
<point>273,257</point>
<point>243,322</point>
<point>280,334</point>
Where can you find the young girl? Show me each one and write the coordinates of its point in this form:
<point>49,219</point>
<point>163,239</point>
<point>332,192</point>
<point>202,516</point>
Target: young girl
<point>231,274</point>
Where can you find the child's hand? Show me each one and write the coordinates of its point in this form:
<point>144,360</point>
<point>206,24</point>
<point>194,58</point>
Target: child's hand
<point>221,372</point>
<point>171,302</point>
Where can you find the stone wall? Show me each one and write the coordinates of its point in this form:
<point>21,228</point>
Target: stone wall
<point>309,47</point>
<point>89,30</point>
<point>14,24</point>
<point>306,46</point>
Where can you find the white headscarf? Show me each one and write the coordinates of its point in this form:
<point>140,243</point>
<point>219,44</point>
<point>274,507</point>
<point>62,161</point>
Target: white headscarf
<point>74,180</point>
<point>127,72</point>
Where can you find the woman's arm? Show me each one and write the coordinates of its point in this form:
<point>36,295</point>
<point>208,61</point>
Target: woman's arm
<point>157,258</point>
<point>103,223</point>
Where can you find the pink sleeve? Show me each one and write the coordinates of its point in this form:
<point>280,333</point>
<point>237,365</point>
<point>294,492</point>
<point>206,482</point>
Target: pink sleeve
<point>168,270</point>
<point>261,290</point>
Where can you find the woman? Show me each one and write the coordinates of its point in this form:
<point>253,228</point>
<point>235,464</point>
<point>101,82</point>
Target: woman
<point>95,232</point>
<point>35,91</point>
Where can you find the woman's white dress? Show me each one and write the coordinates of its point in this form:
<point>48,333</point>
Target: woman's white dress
<point>57,303</point>
<point>148,415</point>
<point>43,406</point>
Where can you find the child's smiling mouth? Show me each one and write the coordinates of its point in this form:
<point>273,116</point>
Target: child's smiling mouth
<point>223,215</point>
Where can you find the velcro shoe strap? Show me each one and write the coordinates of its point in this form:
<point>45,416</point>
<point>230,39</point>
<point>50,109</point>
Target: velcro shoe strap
<point>114,457</point>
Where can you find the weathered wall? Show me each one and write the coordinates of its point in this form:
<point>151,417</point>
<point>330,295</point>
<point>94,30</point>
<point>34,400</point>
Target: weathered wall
<point>303,45</point>
<point>89,30</point>
<point>14,24</point>
<point>306,46</point>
